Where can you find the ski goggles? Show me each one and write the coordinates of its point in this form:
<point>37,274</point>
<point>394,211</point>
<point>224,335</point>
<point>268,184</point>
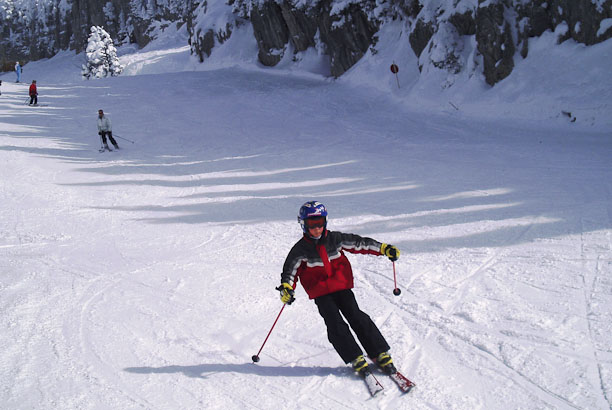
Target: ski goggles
<point>313,223</point>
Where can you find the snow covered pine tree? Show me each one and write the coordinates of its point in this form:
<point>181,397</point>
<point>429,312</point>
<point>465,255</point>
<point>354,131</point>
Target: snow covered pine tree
<point>101,55</point>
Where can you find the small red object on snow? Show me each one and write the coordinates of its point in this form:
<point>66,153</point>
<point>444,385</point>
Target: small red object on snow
<point>394,68</point>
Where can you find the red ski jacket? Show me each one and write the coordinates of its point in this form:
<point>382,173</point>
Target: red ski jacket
<point>33,89</point>
<point>321,264</point>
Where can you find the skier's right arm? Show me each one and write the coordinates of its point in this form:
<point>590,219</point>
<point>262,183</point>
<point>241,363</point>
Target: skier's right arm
<point>290,274</point>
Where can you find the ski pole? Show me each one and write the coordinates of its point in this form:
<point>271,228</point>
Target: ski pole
<point>396,290</point>
<point>255,357</point>
<point>124,138</point>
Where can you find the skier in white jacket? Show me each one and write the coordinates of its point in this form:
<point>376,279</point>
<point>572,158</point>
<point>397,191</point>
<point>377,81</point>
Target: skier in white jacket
<point>104,129</point>
<point>18,71</point>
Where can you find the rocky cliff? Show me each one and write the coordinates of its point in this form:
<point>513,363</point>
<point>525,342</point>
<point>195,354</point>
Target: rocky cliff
<point>343,30</point>
<point>32,30</point>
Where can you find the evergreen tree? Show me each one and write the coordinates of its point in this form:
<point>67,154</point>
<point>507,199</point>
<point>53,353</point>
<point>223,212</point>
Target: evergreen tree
<point>101,55</point>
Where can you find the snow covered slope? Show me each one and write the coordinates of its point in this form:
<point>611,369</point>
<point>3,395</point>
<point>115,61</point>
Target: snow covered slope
<point>145,278</point>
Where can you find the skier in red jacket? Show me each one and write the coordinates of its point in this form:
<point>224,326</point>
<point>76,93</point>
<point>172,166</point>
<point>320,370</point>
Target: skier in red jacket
<point>33,93</point>
<point>318,260</point>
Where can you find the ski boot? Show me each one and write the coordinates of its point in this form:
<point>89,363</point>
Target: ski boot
<point>385,362</point>
<point>360,365</point>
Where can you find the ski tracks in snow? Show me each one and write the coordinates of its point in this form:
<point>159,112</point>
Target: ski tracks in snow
<point>596,265</point>
<point>469,282</point>
<point>94,366</point>
<point>147,281</point>
<point>458,322</point>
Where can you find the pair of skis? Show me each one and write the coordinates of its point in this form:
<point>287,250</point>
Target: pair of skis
<point>107,148</point>
<point>375,387</point>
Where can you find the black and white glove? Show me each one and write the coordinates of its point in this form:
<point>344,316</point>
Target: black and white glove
<point>390,251</point>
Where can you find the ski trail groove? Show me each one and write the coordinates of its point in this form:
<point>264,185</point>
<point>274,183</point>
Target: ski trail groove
<point>588,292</point>
<point>100,286</point>
<point>524,381</point>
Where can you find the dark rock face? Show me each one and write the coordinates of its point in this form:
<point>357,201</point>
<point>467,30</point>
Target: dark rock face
<point>125,20</point>
<point>537,20</point>
<point>342,30</point>
<point>345,36</point>
<point>346,39</point>
<point>494,38</point>
<point>202,41</point>
<point>464,23</point>
<point>301,26</point>
<point>22,37</point>
<point>441,39</point>
<point>271,32</point>
<point>62,26</point>
<point>202,45</point>
<point>496,21</point>
<point>583,19</point>
<point>420,36</point>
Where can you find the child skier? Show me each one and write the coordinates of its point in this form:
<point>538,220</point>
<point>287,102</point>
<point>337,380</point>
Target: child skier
<point>33,93</point>
<point>318,260</point>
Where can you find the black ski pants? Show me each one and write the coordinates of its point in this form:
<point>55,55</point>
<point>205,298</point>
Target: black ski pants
<point>33,99</point>
<point>338,332</point>
<point>103,134</point>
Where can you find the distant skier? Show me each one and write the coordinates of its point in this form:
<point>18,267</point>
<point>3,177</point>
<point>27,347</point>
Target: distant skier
<point>33,93</point>
<point>105,129</point>
<point>18,71</point>
<point>318,260</point>
<point>0,87</point>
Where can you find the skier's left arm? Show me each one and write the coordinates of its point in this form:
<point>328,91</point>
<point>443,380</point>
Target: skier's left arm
<point>358,244</point>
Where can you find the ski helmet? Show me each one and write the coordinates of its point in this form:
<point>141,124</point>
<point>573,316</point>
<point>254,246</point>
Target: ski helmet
<point>312,209</point>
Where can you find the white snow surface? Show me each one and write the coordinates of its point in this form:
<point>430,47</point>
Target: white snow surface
<point>144,278</point>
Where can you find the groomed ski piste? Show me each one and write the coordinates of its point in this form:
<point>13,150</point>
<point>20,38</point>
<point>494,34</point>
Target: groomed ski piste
<point>144,278</point>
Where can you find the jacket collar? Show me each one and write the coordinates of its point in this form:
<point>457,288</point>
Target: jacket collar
<point>312,240</point>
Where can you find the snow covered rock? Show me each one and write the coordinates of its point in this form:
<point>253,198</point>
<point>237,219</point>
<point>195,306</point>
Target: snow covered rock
<point>446,31</point>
